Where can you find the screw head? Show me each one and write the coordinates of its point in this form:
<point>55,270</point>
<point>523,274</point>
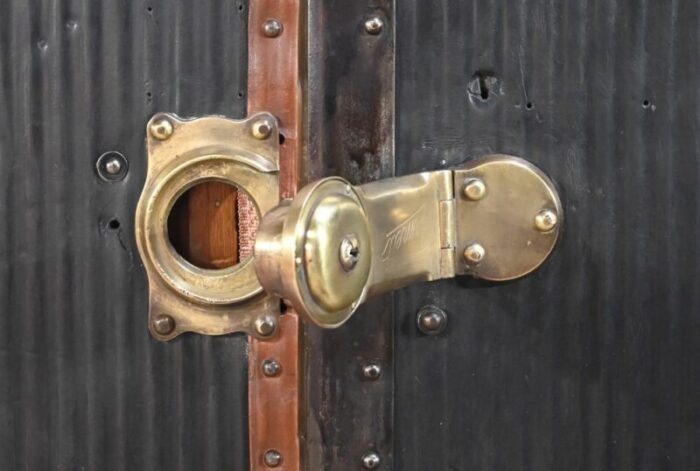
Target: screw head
<point>546,220</point>
<point>262,128</point>
<point>349,252</point>
<point>474,253</point>
<point>474,189</point>
<point>372,371</point>
<point>374,25</point>
<point>272,28</point>
<point>112,166</point>
<point>265,325</point>
<point>272,458</point>
<point>271,368</point>
<point>370,460</point>
<point>161,129</point>
<point>163,324</point>
<point>431,320</point>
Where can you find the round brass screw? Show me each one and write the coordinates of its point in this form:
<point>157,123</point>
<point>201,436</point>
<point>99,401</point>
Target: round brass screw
<point>265,325</point>
<point>161,129</point>
<point>474,253</point>
<point>374,25</point>
<point>163,324</point>
<point>370,460</point>
<point>272,458</point>
<point>349,252</point>
<point>272,28</point>
<point>546,220</point>
<point>372,371</point>
<point>262,128</point>
<point>474,189</point>
<point>431,320</point>
<point>271,368</point>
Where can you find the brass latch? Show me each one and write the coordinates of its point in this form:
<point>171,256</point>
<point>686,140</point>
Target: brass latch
<point>334,245</point>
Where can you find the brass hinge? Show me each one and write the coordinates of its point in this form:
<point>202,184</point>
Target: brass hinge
<point>334,245</point>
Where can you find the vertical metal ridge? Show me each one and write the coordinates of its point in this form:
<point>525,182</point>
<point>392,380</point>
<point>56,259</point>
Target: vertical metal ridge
<point>275,86</point>
<point>350,120</point>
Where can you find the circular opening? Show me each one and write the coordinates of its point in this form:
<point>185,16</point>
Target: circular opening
<point>213,224</point>
<point>528,106</point>
<point>646,103</point>
<point>114,224</point>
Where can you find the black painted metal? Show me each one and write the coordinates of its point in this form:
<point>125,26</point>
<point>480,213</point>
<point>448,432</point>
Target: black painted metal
<point>351,134</point>
<point>82,384</point>
<point>592,362</point>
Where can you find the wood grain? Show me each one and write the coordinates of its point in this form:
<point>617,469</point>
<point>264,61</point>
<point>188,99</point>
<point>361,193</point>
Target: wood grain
<point>203,225</point>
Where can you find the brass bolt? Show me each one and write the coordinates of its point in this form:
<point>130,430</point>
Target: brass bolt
<point>161,129</point>
<point>262,128</point>
<point>474,189</point>
<point>271,368</point>
<point>546,220</point>
<point>163,324</point>
<point>474,253</point>
<point>265,325</point>
<point>272,28</point>
<point>272,458</point>
<point>374,25</point>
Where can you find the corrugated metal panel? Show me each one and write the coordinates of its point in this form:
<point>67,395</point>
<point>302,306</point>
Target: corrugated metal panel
<point>592,362</point>
<point>82,384</point>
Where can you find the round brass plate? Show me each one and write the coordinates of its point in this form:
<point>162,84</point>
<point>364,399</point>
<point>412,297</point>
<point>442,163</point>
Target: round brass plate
<point>336,218</point>
<point>504,223</point>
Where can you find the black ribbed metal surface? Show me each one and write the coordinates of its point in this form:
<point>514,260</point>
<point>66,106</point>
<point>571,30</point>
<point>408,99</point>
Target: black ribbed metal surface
<point>592,362</point>
<point>82,384</point>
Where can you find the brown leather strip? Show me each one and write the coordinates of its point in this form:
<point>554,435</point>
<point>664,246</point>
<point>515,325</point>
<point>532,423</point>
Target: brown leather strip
<point>274,86</point>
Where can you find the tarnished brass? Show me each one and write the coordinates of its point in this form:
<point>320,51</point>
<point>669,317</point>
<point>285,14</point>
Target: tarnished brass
<point>334,245</point>
<point>182,154</point>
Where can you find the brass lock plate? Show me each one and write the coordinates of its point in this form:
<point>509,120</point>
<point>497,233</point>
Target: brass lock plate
<point>181,154</point>
<point>334,245</point>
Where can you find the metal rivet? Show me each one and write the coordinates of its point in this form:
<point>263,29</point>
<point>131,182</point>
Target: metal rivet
<point>374,25</point>
<point>163,324</point>
<point>474,253</point>
<point>262,128</point>
<point>265,325</point>
<point>372,371</point>
<point>272,458</point>
<point>546,220</point>
<point>349,252</point>
<point>272,28</point>
<point>271,368</point>
<point>431,320</point>
<point>161,129</point>
<point>474,189</point>
<point>112,166</point>
<point>371,460</point>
